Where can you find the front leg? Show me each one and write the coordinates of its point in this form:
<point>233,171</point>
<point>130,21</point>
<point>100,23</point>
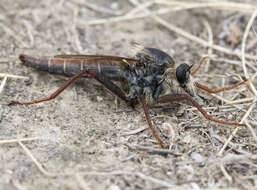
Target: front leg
<point>215,91</point>
<point>179,97</point>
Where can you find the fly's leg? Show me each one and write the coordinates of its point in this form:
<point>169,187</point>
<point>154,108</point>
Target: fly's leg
<point>99,77</point>
<point>110,85</point>
<point>117,91</point>
<point>148,119</point>
<point>55,94</point>
<point>204,59</point>
<point>207,89</point>
<point>180,97</point>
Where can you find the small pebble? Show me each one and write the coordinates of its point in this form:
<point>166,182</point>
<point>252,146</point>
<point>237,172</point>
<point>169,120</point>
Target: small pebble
<point>99,98</point>
<point>197,157</point>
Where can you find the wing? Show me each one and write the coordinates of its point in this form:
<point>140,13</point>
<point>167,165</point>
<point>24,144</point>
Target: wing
<point>100,59</point>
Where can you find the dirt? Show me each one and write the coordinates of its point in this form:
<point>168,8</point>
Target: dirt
<point>84,135</point>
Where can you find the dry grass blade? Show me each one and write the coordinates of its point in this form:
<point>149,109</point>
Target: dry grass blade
<point>231,145</point>
<point>225,173</point>
<point>235,130</point>
<point>19,140</point>
<point>199,40</point>
<point>97,8</point>
<point>227,142</point>
<point>251,130</point>
<point>247,30</point>
<point>235,102</point>
<point>181,6</point>
<point>5,77</point>
<point>170,27</point>
<point>210,39</point>
<point>39,166</point>
<point>13,76</point>
<point>192,37</point>
<point>214,108</point>
<point>48,174</point>
<point>242,7</point>
<point>3,84</point>
<point>140,8</point>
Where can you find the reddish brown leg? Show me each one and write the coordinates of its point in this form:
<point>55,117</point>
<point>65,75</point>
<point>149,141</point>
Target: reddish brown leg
<point>179,97</point>
<point>199,65</point>
<point>205,88</point>
<point>55,94</point>
<point>148,119</point>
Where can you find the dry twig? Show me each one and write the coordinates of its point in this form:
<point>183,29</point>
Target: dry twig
<point>248,27</point>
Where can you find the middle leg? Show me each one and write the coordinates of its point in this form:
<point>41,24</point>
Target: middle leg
<point>118,92</point>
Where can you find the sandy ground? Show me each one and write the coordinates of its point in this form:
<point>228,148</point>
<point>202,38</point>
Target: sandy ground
<point>84,140</point>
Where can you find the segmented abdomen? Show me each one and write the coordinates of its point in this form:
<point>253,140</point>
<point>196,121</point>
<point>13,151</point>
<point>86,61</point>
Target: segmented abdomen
<point>70,66</point>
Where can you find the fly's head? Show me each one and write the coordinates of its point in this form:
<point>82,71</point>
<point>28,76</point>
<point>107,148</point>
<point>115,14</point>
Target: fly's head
<point>179,79</point>
<point>184,78</point>
<point>183,74</point>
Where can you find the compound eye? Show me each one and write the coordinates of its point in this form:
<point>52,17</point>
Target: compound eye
<point>182,73</point>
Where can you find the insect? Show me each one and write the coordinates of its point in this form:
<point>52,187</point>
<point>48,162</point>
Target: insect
<point>150,77</point>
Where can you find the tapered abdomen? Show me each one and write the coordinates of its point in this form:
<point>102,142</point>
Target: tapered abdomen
<point>71,66</point>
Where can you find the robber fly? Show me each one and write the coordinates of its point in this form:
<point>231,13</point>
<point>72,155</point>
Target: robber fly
<point>151,76</point>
